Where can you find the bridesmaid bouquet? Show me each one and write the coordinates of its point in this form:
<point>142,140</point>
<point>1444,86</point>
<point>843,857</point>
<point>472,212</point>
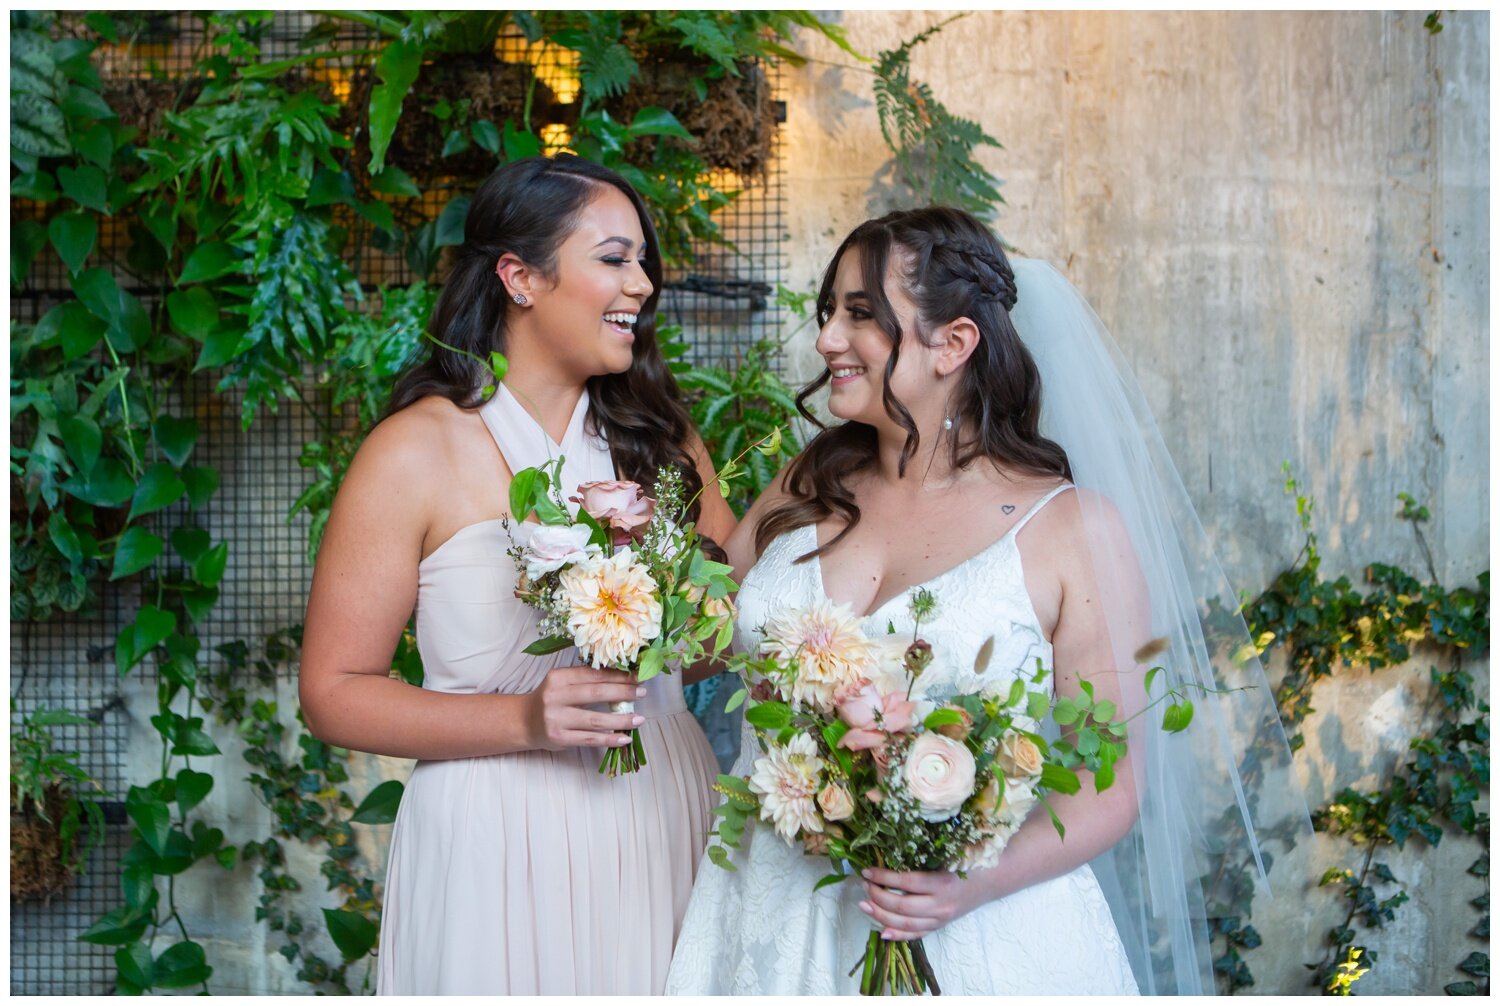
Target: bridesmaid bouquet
<point>622,578</point>
<point>861,765</point>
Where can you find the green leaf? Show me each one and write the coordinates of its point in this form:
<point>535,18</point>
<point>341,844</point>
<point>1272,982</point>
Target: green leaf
<point>329,187</point>
<point>97,143</point>
<point>36,186</point>
<point>220,346</point>
<point>81,103</point>
<point>769,715</point>
<point>941,717</point>
<point>191,740</point>
<point>176,437</point>
<point>450,222</point>
<point>352,933</point>
<point>381,805</point>
<point>151,816</point>
<point>1059,779</point>
<point>138,549</point>
<point>107,485</point>
<point>651,663</point>
<point>1104,711</point>
<point>73,235</point>
<point>1065,712</point>
<point>134,964</point>
<point>519,143</point>
<point>486,135</point>
<point>377,213</point>
<point>208,261</point>
<point>64,537</point>
<point>73,326</point>
<point>656,121</point>
<point>159,487</point>
<point>82,440</point>
<point>192,787</point>
<point>735,700</point>
<point>99,292</point>
<point>548,644</point>
<point>392,181</point>
<point>208,568</point>
<point>199,602</point>
<point>117,928</point>
<point>85,185</point>
<point>829,880</point>
<point>27,239</point>
<point>193,311</point>
<point>522,488</point>
<point>1177,717</point>
<point>201,482</point>
<point>150,627</point>
<point>397,67</point>
<point>37,126</point>
<point>181,965</point>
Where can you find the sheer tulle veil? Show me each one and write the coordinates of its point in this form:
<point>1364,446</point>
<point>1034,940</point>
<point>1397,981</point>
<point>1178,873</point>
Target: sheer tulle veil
<point>1213,797</point>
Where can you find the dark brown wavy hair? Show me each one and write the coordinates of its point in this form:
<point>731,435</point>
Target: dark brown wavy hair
<point>951,267</point>
<point>528,208</point>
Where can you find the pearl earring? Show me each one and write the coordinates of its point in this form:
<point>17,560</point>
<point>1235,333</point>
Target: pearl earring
<point>518,298</point>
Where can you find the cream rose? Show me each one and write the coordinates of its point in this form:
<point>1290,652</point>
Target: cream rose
<point>1019,756</point>
<point>835,802</point>
<point>552,547</point>
<point>939,774</point>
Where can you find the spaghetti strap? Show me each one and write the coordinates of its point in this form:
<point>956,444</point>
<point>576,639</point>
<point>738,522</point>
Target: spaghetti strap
<point>1036,508</point>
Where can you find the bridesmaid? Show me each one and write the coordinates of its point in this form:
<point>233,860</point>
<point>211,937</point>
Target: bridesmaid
<point>515,867</point>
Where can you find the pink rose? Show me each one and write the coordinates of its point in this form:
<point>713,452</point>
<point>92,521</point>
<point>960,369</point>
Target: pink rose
<point>620,505</point>
<point>939,774</point>
<point>871,716</point>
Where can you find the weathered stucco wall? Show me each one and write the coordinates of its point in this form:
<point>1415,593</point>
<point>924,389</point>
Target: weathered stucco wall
<point>1283,219</point>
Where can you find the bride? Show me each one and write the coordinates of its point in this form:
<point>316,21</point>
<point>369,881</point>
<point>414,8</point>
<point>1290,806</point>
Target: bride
<point>1055,526</point>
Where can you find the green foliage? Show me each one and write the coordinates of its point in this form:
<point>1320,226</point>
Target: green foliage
<point>1323,628</point>
<point>40,774</point>
<point>934,149</point>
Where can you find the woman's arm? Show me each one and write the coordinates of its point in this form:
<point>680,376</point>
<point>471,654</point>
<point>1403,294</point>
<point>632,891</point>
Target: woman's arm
<point>364,588</point>
<point>1094,822</point>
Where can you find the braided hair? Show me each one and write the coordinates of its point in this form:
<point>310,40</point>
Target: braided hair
<point>950,266</point>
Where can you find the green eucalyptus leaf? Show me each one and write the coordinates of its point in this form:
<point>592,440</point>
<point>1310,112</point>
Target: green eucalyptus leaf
<point>159,487</point>
<point>73,235</point>
<point>380,806</point>
<point>352,933</point>
<point>138,548</point>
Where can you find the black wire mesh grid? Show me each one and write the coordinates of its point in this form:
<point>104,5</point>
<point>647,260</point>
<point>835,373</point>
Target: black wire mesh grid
<point>724,303</point>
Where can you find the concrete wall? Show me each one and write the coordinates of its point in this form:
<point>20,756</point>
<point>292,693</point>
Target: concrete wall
<point>1283,219</point>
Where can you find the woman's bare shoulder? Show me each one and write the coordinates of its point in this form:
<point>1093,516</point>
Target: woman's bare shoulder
<point>412,447</point>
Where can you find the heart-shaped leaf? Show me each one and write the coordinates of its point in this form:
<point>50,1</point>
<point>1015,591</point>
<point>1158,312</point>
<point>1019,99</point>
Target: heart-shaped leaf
<point>159,487</point>
<point>85,185</point>
<point>392,181</point>
<point>141,635</point>
<point>82,440</point>
<point>134,964</point>
<point>99,292</point>
<point>190,542</point>
<point>97,143</point>
<point>176,437</point>
<point>73,327</point>
<point>138,548</point>
<point>181,965</point>
<point>208,568</point>
<point>107,485</point>
<point>201,483</point>
<point>352,933</point>
<point>209,261</point>
<point>192,787</point>
<point>193,311</point>
<point>27,239</point>
<point>73,235</point>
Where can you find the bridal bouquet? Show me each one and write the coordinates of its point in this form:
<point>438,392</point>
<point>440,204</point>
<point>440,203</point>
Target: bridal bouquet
<point>623,578</point>
<point>861,765</point>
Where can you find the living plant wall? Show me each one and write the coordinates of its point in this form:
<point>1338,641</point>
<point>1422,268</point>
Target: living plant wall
<point>194,235</point>
<point>212,227</point>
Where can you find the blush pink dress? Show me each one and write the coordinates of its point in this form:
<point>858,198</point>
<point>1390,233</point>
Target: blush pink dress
<point>531,873</point>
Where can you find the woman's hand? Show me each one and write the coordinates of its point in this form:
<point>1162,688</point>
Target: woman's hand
<point>556,717</point>
<point>909,906</point>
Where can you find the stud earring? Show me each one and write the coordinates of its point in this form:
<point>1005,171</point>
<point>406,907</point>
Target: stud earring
<point>518,298</point>
<point>947,422</point>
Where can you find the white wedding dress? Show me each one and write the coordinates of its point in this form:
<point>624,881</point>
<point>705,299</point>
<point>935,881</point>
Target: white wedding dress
<point>763,930</point>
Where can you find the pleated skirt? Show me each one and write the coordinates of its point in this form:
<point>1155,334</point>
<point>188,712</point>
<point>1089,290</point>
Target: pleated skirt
<point>531,873</point>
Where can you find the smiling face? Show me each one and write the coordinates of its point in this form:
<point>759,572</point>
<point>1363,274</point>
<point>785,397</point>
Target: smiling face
<point>856,348</point>
<point>586,314</point>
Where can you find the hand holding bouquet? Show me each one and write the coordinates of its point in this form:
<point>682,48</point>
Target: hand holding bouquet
<point>862,765</point>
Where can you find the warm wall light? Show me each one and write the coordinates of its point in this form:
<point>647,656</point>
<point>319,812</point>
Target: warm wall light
<point>555,137</point>
<point>554,66</point>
